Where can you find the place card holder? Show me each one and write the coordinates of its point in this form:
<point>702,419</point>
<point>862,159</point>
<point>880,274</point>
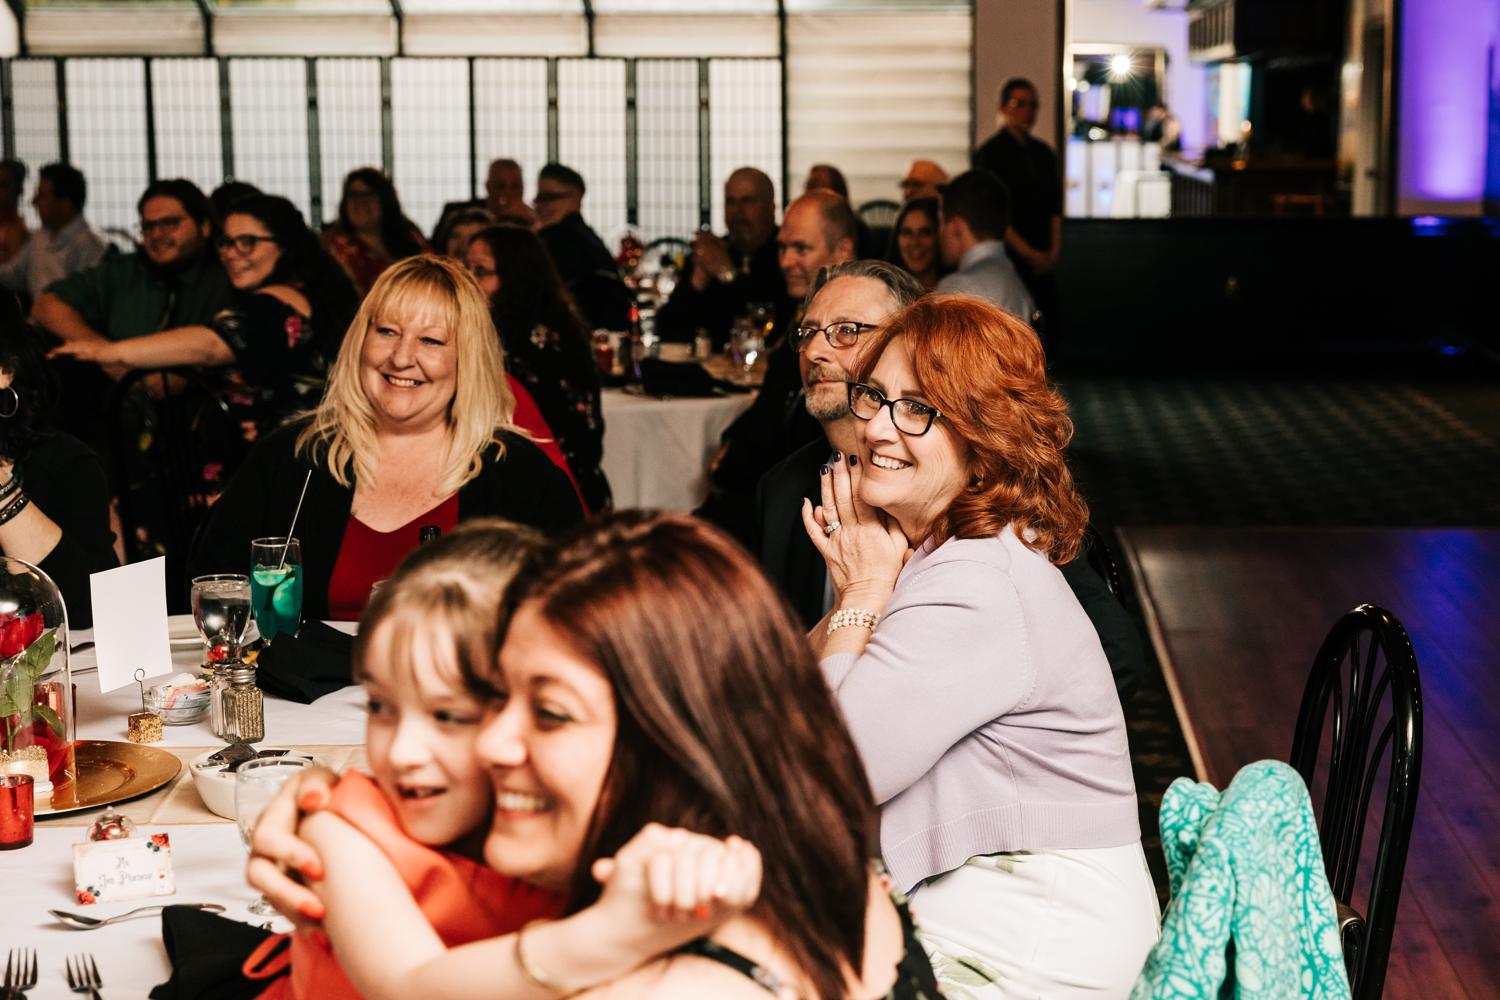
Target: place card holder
<point>143,726</point>
<point>132,868</point>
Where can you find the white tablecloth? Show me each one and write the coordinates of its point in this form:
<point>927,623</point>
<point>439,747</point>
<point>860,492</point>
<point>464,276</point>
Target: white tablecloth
<point>207,858</point>
<point>338,718</point>
<point>656,451</point>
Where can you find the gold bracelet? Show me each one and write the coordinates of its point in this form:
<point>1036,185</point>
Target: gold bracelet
<point>853,616</point>
<point>537,976</point>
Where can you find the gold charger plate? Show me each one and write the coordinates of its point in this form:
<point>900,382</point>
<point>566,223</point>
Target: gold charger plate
<point>110,771</point>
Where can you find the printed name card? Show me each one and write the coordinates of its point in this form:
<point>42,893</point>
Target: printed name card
<point>132,868</point>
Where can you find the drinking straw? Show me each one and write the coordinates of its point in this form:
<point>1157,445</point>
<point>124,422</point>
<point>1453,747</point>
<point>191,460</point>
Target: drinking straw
<point>281,563</point>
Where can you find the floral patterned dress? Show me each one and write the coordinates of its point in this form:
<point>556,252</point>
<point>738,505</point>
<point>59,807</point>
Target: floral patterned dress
<point>561,377</point>
<point>280,363</point>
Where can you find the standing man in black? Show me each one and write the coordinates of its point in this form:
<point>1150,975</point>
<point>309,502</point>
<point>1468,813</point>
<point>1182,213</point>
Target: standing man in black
<point>1029,169</point>
<point>726,274</point>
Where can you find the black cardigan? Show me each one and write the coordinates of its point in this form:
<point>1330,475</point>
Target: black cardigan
<point>522,486</point>
<point>65,481</point>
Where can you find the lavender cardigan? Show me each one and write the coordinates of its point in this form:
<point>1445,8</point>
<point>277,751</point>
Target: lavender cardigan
<point>985,713</point>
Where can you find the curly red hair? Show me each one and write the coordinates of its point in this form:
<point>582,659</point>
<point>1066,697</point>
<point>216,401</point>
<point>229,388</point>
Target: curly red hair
<point>985,371</point>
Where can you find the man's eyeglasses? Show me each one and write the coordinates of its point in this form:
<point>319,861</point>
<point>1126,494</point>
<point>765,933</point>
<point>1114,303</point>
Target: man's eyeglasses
<point>244,245</point>
<point>908,415</point>
<point>837,334</point>
<point>165,225</point>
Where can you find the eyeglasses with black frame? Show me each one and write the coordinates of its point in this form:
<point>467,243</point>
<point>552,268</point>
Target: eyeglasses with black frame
<point>837,334</point>
<point>908,415</point>
<point>244,245</point>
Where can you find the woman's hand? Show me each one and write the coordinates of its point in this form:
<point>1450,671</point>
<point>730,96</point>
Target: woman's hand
<point>100,351</point>
<point>863,547</point>
<point>276,850</point>
<point>672,876</point>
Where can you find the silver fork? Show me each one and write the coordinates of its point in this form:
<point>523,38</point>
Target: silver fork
<point>20,969</point>
<point>83,976</point>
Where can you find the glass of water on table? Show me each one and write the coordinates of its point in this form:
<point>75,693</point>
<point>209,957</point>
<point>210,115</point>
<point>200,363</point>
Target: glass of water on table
<point>256,783</point>
<point>221,610</point>
<point>276,585</point>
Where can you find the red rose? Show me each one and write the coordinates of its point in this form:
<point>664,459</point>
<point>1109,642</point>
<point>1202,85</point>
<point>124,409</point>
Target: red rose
<point>18,633</point>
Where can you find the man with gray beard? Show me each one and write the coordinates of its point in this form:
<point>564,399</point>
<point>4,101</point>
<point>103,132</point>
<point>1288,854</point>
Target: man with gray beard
<point>845,302</point>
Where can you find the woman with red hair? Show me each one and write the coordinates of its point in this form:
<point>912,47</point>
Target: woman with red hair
<point>976,689</point>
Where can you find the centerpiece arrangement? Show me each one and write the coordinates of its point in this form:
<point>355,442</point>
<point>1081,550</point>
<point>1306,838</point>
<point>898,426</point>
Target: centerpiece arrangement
<point>36,684</point>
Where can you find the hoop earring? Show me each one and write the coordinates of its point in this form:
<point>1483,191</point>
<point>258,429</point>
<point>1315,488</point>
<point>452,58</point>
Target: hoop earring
<point>15,403</point>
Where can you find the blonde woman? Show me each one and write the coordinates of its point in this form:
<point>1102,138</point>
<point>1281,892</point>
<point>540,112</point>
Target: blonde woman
<point>413,431</point>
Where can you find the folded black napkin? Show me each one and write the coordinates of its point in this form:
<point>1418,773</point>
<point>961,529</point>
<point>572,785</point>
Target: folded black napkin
<point>306,666</point>
<point>679,378</point>
<point>206,952</point>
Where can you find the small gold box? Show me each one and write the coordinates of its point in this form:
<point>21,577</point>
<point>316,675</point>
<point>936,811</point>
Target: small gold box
<point>145,727</point>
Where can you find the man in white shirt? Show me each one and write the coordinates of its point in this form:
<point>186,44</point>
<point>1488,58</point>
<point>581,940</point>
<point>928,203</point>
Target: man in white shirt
<point>65,243</point>
<point>976,213</point>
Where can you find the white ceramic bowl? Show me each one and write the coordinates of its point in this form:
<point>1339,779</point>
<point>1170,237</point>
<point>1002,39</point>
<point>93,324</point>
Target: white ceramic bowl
<point>216,786</point>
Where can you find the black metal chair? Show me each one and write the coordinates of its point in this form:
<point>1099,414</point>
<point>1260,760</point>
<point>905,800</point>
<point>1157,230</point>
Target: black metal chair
<point>1102,560</point>
<point>173,446</point>
<point>1365,662</point>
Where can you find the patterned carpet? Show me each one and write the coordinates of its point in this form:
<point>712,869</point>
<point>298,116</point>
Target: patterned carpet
<point>1267,451</point>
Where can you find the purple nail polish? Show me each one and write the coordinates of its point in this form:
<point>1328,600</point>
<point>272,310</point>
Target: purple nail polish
<point>853,459</point>
<point>838,455</point>
<point>823,470</point>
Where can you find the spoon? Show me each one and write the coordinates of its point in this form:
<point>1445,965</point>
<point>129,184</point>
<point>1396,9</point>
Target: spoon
<point>78,921</point>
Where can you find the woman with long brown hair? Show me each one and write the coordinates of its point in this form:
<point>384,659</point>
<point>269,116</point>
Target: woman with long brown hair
<point>650,674</point>
<point>976,688</point>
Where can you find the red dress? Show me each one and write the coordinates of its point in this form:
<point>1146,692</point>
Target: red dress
<point>463,900</point>
<point>367,556</point>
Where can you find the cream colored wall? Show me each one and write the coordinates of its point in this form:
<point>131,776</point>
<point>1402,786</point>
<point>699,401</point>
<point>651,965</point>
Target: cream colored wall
<point>1017,38</point>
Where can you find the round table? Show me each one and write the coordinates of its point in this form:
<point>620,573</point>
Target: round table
<point>656,451</point>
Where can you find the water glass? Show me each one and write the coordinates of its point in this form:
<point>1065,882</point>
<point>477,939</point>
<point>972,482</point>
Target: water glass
<point>276,585</point>
<point>256,783</point>
<point>221,609</point>
<point>17,811</point>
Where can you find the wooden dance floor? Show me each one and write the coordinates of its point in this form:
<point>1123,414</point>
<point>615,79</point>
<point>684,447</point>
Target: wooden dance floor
<point>1236,615</point>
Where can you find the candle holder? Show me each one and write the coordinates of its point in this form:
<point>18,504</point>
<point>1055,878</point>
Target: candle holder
<point>17,811</point>
<point>36,678</point>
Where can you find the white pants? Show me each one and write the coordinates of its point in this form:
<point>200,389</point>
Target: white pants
<point>1053,924</point>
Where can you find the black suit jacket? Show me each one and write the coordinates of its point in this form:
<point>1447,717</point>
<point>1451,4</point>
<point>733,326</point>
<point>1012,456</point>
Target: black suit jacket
<point>589,272</point>
<point>793,564</point>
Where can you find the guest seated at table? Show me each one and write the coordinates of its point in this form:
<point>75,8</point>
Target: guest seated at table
<point>292,304</point>
<point>648,674</point>
<point>914,242</point>
<point>454,232</point>
<point>371,231</point>
<point>54,503</point>
<point>427,805</point>
<point>975,686</point>
<point>818,231</point>
<point>726,275</point>
<point>414,430</point>
<point>547,347</point>
<point>585,265</point>
<point>65,243</point>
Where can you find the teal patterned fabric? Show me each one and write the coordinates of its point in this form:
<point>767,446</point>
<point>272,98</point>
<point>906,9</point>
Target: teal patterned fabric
<point>1245,865</point>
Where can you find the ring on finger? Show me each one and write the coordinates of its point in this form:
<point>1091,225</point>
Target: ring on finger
<point>831,527</point>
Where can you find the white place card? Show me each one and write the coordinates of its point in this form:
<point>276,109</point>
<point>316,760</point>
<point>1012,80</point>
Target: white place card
<point>133,868</point>
<point>130,622</point>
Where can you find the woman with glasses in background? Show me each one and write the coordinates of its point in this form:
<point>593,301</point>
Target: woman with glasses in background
<point>291,306</point>
<point>975,686</point>
<point>372,232</point>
